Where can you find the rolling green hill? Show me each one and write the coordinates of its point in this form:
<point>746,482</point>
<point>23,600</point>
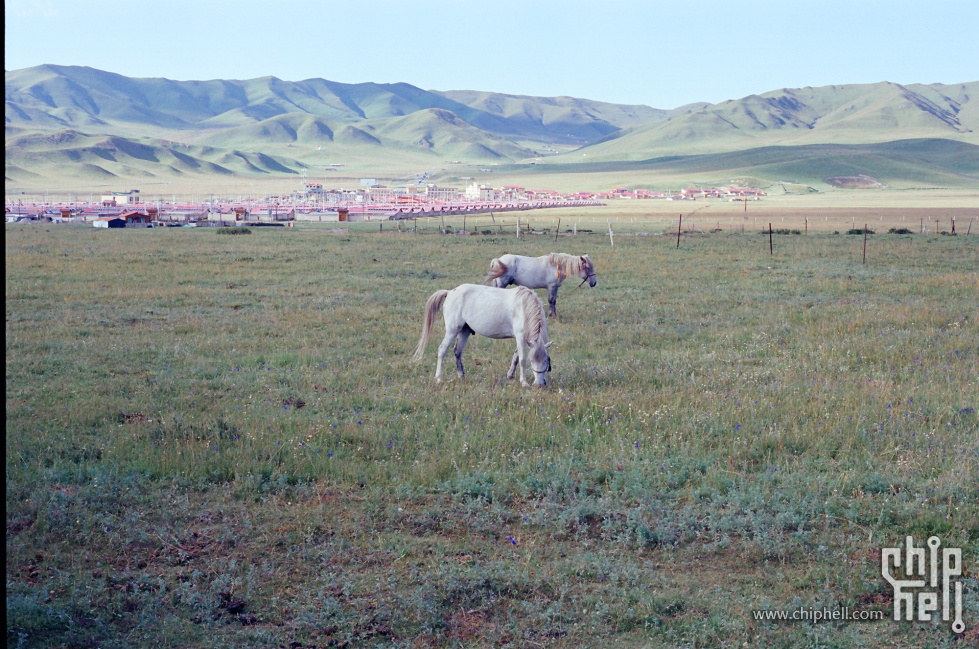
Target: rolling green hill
<point>77,124</point>
<point>902,163</point>
<point>855,114</point>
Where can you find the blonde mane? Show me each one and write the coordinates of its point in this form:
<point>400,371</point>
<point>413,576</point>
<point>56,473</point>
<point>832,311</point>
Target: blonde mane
<point>567,264</point>
<point>535,327</point>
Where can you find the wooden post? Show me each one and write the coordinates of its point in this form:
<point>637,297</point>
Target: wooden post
<point>922,231</point>
<point>771,245</point>
<point>678,226</point>
<point>611,240</point>
<point>380,228</point>
<point>463,222</point>
<point>807,225</point>
<point>575,233</point>
<point>558,231</point>
<point>865,243</point>
<point>415,221</point>
<point>970,227</point>
<point>518,226</point>
<point>442,216</point>
<point>953,225</point>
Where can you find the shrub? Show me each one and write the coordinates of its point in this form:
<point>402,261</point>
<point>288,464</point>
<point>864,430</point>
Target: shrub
<point>239,229</point>
<point>899,231</point>
<point>859,231</point>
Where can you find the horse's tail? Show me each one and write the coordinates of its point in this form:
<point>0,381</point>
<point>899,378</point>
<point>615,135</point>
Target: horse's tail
<point>431,308</point>
<point>497,269</point>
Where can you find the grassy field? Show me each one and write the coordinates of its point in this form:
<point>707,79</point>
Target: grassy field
<point>220,441</point>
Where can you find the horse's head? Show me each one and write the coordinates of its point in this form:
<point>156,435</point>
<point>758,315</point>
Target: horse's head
<point>540,362</point>
<point>588,271</point>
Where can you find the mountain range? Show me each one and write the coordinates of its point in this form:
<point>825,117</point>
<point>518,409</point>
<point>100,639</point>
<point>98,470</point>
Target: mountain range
<point>77,124</point>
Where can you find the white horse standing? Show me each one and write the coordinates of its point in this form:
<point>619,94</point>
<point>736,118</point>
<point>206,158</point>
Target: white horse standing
<point>547,271</point>
<point>494,313</point>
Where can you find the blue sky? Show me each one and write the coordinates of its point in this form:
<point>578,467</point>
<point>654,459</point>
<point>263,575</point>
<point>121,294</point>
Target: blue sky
<point>662,54</point>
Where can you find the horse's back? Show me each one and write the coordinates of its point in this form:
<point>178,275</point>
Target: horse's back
<point>487,310</point>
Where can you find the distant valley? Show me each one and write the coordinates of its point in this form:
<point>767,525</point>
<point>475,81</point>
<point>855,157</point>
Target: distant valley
<point>80,126</point>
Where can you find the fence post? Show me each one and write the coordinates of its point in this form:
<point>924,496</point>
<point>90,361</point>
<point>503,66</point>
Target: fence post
<point>678,226</point>
<point>865,243</point>
<point>558,231</point>
<point>771,245</point>
<point>611,240</point>
<point>518,226</point>
<point>442,216</point>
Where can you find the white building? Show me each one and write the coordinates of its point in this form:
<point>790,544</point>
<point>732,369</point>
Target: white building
<point>436,194</point>
<point>477,192</point>
<point>128,197</point>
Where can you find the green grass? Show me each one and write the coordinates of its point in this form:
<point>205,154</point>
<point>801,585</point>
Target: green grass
<point>220,441</point>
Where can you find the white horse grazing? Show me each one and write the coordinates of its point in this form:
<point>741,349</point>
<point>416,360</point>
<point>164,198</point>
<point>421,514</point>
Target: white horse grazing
<point>494,313</point>
<point>547,271</point>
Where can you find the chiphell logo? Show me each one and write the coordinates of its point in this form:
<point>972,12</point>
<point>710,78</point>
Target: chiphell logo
<point>925,581</point>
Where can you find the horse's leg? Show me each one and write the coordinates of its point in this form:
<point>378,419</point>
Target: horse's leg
<point>552,299</point>
<point>513,365</point>
<point>521,354</point>
<point>443,349</point>
<point>460,345</point>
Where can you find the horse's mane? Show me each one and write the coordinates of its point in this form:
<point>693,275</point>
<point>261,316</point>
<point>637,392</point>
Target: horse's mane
<point>535,326</point>
<point>567,264</point>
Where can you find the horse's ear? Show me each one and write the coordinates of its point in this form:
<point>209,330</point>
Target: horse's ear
<point>548,345</point>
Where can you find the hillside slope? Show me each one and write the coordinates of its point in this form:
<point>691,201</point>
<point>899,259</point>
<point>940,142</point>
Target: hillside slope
<point>81,123</point>
<point>854,114</point>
